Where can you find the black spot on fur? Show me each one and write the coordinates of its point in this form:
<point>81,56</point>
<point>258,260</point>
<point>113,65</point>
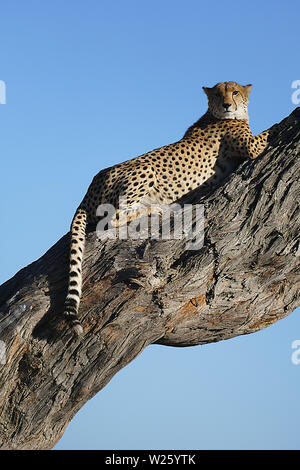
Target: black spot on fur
<point>74,292</point>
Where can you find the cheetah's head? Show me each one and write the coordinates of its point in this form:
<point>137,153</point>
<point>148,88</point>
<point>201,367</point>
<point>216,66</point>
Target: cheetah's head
<point>228,100</point>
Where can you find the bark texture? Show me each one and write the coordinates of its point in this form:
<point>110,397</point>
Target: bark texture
<point>137,292</point>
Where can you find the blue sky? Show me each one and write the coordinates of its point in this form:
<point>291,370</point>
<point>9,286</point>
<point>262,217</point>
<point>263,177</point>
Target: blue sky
<point>92,83</point>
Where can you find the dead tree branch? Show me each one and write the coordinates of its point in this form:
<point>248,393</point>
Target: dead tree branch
<point>244,278</point>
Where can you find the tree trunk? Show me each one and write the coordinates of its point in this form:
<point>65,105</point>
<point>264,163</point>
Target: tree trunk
<point>138,292</point>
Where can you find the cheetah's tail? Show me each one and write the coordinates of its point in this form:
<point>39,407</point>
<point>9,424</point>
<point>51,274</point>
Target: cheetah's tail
<point>75,276</point>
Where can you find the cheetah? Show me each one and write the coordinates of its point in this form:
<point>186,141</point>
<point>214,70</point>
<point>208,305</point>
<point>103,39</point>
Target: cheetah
<point>209,151</point>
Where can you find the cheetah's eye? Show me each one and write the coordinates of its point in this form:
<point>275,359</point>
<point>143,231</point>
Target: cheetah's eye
<point>235,92</point>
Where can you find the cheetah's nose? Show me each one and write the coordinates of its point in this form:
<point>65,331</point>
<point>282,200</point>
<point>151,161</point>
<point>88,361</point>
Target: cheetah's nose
<point>226,106</point>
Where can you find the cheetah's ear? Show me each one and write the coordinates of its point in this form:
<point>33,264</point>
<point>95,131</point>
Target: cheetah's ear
<point>247,89</point>
<point>206,90</point>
